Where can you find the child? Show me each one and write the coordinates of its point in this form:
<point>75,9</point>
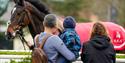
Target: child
<point>70,37</point>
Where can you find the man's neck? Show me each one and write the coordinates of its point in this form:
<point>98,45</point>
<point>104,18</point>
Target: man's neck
<point>48,30</point>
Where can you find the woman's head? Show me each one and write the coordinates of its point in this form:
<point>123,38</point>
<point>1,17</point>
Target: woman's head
<point>98,29</point>
<point>60,27</point>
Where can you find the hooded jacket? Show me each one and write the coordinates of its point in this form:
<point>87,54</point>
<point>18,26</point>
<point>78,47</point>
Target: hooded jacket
<point>98,50</point>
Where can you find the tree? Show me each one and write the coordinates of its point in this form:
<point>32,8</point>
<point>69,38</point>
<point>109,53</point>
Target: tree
<point>84,8</point>
<point>3,6</point>
<point>66,7</point>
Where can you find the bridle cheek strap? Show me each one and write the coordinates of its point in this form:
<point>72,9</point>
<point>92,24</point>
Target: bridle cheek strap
<point>31,20</point>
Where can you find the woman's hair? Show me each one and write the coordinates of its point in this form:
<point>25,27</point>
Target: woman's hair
<point>60,25</point>
<point>98,29</point>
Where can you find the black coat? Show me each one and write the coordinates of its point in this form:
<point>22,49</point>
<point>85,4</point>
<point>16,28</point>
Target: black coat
<point>98,50</point>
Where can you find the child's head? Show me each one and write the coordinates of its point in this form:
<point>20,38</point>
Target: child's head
<point>69,22</point>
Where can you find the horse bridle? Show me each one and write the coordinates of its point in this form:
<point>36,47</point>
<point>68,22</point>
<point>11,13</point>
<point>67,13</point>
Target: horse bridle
<point>20,31</point>
<point>19,22</point>
<point>24,12</point>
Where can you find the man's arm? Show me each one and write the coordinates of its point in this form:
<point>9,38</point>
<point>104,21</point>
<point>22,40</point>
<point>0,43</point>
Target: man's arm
<point>62,49</point>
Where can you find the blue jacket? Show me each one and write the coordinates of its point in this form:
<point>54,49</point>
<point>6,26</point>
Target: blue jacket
<point>71,40</point>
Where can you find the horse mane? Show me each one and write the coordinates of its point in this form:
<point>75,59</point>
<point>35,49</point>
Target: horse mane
<point>37,18</point>
<point>40,6</point>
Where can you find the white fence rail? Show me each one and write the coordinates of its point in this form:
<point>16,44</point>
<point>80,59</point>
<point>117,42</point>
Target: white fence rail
<point>7,58</point>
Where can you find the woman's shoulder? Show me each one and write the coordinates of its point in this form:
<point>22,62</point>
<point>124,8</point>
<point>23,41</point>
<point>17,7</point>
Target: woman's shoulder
<point>86,44</point>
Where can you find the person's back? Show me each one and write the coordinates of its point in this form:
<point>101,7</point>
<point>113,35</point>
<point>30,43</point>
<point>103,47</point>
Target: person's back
<point>99,48</point>
<point>71,40</point>
<point>54,46</point>
<point>70,37</point>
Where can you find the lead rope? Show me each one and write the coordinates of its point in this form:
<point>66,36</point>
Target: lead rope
<point>21,36</point>
<point>23,41</point>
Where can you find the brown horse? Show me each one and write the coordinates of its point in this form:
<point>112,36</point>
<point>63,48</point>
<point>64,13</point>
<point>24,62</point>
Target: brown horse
<point>25,14</point>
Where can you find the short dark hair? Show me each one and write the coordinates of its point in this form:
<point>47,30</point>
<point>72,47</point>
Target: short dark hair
<point>50,20</point>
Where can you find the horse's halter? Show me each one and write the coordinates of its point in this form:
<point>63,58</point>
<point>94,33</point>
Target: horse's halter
<point>19,21</point>
<point>15,27</point>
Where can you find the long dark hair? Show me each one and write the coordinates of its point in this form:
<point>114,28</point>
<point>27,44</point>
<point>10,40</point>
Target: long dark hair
<point>98,29</point>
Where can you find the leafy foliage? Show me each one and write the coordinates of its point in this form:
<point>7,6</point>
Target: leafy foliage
<point>81,8</point>
<point>66,7</point>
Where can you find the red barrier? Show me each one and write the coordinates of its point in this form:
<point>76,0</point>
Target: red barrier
<point>116,33</point>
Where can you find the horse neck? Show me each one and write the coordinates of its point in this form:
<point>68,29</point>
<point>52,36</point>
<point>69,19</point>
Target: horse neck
<point>32,32</point>
<point>37,24</point>
<point>36,21</point>
<point>36,12</point>
<point>40,6</point>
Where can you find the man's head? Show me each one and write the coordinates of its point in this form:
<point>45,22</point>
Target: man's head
<point>51,21</point>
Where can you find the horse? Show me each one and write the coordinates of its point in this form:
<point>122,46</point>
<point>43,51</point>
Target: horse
<point>25,14</point>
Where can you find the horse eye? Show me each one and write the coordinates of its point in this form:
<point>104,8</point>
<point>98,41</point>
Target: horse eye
<point>8,23</point>
<point>18,13</point>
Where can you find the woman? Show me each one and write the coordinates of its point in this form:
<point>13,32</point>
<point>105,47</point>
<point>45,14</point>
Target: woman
<point>99,48</point>
<point>54,46</point>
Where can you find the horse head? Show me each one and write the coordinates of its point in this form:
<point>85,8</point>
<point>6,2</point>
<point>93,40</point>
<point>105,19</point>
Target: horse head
<point>21,16</point>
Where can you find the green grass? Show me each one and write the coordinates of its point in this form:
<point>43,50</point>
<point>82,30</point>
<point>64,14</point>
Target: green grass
<point>14,53</point>
<point>29,53</point>
<point>23,60</point>
<point>120,56</point>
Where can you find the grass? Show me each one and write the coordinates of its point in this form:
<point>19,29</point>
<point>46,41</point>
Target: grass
<point>14,53</point>
<point>29,53</point>
<point>120,56</point>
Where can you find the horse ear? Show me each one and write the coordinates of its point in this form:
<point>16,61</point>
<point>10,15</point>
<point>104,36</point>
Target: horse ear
<point>19,2</point>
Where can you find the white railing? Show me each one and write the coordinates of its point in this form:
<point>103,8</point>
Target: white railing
<point>7,58</point>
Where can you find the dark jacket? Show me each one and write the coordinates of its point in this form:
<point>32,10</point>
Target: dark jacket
<point>98,50</point>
